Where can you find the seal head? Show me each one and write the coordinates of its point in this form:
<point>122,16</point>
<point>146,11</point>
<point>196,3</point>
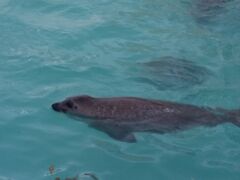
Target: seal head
<point>77,105</point>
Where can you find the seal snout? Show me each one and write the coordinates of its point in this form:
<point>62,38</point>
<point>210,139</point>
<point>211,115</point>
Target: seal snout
<point>55,107</point>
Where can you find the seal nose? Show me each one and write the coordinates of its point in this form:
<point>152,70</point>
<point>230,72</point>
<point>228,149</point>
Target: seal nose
<point>55,107</point>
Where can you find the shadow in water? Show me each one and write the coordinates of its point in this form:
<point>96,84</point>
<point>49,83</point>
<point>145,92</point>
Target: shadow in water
<point>170,73</point>
<point>205,11</point>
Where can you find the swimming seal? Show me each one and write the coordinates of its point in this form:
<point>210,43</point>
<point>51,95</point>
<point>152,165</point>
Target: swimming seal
<point>120,117</point>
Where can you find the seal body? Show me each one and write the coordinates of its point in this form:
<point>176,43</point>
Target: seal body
<point>120,117</point>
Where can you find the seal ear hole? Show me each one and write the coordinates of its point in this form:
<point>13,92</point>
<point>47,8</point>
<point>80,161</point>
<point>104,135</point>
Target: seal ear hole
<point>75,107</point>
<point>69,104</point>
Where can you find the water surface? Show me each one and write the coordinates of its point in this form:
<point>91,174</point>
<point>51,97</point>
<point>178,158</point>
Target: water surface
<point>58,48</point>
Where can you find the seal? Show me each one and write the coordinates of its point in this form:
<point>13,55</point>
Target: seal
<point>120,117</point>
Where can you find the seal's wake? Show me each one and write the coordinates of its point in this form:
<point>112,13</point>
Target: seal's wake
<point>120,117</point>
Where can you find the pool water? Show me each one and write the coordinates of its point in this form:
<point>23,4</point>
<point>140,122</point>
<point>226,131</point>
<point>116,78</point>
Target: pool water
<point>57,48</point>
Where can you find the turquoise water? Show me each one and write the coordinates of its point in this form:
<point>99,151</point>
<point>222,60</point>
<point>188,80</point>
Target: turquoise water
<point>53,49</point>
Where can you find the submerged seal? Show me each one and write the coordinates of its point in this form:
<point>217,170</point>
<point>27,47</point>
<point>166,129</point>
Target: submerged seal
<point>120,117</point>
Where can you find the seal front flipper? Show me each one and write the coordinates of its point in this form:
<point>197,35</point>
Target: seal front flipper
<point>115,131</point>
<point>125,137</point>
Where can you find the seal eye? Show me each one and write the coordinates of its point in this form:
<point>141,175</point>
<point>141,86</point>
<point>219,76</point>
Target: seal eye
<point>69,104</point>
